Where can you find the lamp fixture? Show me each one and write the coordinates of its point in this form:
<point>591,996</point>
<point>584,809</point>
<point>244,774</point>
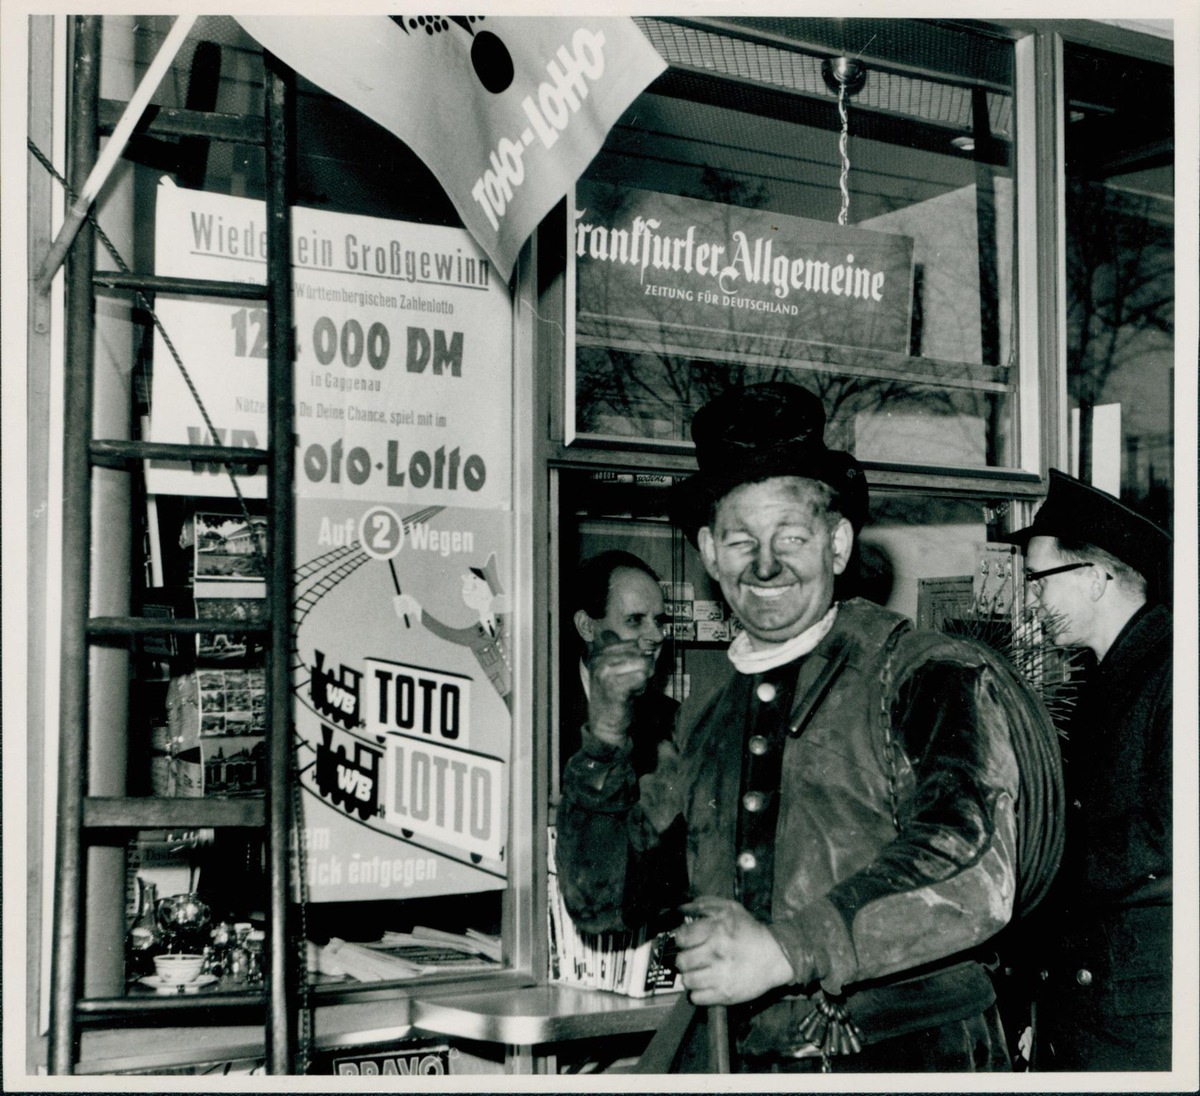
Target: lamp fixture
<point>846,74</point>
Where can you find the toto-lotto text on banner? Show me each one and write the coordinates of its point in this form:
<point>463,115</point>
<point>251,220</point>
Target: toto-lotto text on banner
<point>403,377</point>
<point>712,277</point>
<point>404,640</point>
<point>400,615</point>
<point>505,111</point>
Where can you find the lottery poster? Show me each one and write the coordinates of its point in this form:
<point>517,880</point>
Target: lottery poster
<point>403,698</point>
<point>401,622</point>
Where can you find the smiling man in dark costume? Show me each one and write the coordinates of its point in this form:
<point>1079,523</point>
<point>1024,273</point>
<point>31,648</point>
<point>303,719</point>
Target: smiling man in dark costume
<point>851,795</point>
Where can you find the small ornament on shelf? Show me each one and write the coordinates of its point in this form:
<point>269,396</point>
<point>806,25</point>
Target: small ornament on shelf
<point>145,939</point>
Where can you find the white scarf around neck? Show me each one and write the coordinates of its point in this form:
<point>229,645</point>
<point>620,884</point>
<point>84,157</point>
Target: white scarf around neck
<point>750,660</point>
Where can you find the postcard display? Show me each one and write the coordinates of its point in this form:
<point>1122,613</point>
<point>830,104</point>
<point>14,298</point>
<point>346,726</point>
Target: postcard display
<point>401,623</point>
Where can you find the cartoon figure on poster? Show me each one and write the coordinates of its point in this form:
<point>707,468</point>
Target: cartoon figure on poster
<point>487,636</point>
<point>402,740</point>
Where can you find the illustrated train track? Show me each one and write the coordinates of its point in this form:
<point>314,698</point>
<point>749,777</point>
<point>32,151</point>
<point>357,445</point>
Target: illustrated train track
<point>318,576</point>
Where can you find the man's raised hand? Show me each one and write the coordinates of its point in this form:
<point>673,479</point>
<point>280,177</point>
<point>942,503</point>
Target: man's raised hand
<point>617,671</point>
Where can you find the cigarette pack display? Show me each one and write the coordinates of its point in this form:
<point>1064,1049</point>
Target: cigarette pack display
<point>713,631</point>
<point>678,610</point>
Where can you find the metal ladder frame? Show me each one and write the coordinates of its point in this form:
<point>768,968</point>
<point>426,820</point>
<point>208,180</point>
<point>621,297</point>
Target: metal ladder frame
<point>80,817</point>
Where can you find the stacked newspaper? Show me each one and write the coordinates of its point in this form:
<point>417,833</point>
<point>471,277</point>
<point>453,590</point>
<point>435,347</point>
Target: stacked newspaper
<point>636,963</point>
<point>401,955</point>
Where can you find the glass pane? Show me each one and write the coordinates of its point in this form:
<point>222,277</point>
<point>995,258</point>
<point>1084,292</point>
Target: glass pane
<point>877,416</point>
<point>709,251</point>
<point>401,831</point>
<point>1120,275</point>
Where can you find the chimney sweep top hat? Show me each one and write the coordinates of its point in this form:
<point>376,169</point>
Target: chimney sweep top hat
<point>759,432</point>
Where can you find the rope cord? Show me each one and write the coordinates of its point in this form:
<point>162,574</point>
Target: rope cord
<point>1041,808</point>
<point>1041,801</point>
<point>143,300</point>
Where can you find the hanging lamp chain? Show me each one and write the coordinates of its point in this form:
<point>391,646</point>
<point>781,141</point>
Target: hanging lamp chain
<point>845,76</point>
<point>844,153</point>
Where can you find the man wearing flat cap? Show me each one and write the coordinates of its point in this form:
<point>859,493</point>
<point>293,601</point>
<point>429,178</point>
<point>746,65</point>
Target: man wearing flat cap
<point>854,795</point>
<point>1095,571</point>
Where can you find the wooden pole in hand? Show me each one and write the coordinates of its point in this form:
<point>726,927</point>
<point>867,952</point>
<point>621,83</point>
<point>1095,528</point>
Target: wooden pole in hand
<point>718,1038</point>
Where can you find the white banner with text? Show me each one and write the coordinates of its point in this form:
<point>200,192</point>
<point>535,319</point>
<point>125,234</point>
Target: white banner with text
<point>403,380</point>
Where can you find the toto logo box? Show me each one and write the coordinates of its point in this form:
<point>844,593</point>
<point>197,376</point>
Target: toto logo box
<point>706,276</point>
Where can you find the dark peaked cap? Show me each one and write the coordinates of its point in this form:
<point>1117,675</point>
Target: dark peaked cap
<point>755,433</point>
<point>1076,511</point>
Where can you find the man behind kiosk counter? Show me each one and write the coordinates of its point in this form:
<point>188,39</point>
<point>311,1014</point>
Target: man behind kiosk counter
<point>848,795</point>
<point>1095,570</point>
<point>617,597</point>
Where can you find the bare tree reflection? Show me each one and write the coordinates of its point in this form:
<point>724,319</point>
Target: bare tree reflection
<point>1120,297</point>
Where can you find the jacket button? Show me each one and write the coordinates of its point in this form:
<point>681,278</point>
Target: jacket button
<point>747,861</point>
<point>1083,976</point>
<point>758,745</point>
<point>766,692</point>
<point>754,801</point>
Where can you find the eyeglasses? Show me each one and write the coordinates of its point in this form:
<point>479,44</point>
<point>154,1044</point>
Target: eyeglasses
<point>1037,576</point>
